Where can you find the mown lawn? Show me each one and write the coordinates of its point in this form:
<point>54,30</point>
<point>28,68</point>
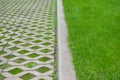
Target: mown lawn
<point>94,38</point>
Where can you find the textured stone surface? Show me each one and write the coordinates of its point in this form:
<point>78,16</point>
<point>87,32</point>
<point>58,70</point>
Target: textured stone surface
<point>27,39</point>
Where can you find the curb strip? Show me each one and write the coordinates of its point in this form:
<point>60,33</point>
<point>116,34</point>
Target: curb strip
<point>65,66</point>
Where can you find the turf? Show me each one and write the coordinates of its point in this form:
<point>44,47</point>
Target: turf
<point>94,38</point>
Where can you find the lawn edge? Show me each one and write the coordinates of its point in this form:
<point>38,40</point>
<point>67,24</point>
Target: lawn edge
<point>65,66</point>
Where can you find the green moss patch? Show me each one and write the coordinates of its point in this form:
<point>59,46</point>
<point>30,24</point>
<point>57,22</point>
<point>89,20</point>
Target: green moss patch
<point>4,66</point>
<point>23,51</point>
<point>35,47</point>
<point>33,55</point>
<point>2,52</point>
<point>37,41</point>
<point>15,30</point>
<point>38,36</point>
<point>15,71</point>
<point>17,42</point>
<point>49,28</point>
<point>2,77</point>
<point>30,34</point>
<point>48,33</point>
<point>26,44</point>
<point>35,22</point>
<point>44,59</point>
<point>2,37</point>
<point>27,76</point>
<point>45,50</point>
<point>29,39</point>
<point>14,48</point>
<point>43,69</point>
<point>41,79</point>
<point>30,64</point>
<point>5,45</point>
<point>9,56</point>
<point>48,38</point>
<point>39,31</point>
<point>20,60</point>
<point>46,44</point>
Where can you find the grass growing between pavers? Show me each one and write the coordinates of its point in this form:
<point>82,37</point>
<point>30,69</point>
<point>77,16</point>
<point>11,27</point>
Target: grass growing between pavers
<point>27,76</point>
<point>2,77</point>
<point>94,38</point>
<point>32,37</point>
<point>43,69</point>
<point>15,71</point>
<point>4,66</point>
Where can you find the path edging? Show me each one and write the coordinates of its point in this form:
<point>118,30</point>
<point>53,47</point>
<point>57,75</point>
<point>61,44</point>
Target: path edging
<point>65,66</point>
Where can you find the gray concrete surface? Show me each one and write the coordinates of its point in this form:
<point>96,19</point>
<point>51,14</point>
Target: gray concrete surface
<point>65,66</point>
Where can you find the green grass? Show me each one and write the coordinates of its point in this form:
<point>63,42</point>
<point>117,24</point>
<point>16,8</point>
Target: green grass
<point>94,38</point>
<point>35,47</point>
<point>23,51</point>
<point>47,38</point>
<point>37,41</point>
<point>2,52</point>
<point>26,44</point>
<point>43,69</point>
<point>41,79</point>
<point>44,59</point>
<point>17,42</point>
<point>45,50</point>
<point>31,65</point>
<point>10,56</point>
<point>4,66</point>
<point>15,71</point>
<point>20,60</point>
<point>46,44</point>
<point>14,48</point>
<point>33,55</point>
<point>2,77</point>
<point>27,76</point>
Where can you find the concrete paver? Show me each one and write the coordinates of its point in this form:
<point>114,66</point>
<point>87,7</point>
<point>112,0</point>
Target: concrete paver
<point>27,39</point>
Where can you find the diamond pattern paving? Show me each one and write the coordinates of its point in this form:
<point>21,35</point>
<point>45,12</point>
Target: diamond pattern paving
<point>27,38</point>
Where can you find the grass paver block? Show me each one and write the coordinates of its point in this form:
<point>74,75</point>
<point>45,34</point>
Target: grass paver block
<point>27,37</point>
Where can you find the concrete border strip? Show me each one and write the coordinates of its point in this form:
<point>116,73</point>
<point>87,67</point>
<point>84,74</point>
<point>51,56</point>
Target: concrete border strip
<point>65,66</point>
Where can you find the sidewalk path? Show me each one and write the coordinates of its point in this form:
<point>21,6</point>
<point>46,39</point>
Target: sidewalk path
<point>27,39</point>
